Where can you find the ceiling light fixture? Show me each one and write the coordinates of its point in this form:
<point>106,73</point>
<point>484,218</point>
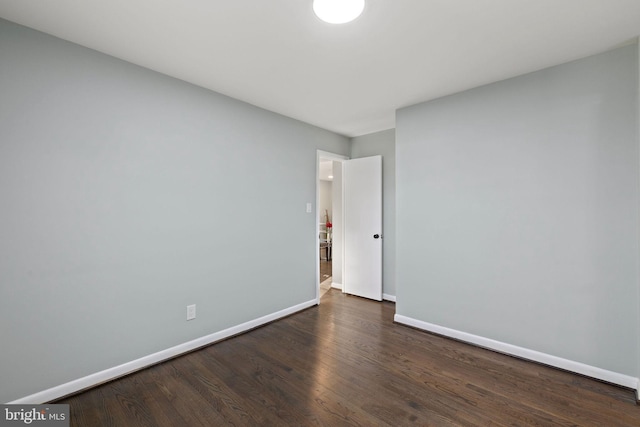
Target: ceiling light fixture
<point>338,11</point>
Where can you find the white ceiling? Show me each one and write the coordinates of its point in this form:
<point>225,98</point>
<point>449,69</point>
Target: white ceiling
<point>347,78</point>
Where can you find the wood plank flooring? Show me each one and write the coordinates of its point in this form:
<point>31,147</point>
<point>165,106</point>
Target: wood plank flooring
<point>325,270</point>
<point>346,363</point>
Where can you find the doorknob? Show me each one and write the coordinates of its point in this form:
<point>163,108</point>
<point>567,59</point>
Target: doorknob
<point>376,236</point>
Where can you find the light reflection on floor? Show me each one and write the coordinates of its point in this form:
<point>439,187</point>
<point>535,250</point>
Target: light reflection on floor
<point>325,286</point>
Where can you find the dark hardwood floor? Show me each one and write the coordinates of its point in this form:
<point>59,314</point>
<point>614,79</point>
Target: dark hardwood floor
<point>346,363</point>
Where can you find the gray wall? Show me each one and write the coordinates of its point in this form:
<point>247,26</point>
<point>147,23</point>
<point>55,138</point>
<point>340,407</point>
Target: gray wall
<point>127,195</point>
<point>383,143</point>
<point>638,123</point>
<point>518,211</point>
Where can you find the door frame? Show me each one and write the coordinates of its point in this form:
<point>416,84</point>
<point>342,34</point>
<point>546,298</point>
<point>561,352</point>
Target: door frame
<point>324,155</point>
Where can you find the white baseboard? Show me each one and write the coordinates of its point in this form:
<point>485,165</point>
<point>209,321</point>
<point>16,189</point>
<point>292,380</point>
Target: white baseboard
<point>143,362</point>
<point>536,356</point>
<point>336,285</point>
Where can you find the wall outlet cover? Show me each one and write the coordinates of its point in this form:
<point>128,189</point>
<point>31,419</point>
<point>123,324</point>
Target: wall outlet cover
<point>191,312</point>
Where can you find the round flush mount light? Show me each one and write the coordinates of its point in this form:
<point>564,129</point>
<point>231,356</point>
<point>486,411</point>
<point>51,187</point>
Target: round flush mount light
<point>338,11</point>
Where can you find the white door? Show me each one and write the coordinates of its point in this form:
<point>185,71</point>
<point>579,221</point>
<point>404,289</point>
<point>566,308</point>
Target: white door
<point>362,210</point>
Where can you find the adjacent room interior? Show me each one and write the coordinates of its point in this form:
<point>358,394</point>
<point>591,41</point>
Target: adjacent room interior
<point>325,226</point>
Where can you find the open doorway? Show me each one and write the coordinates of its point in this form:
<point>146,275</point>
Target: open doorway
<point>325,223</point>
<point>329,201</point>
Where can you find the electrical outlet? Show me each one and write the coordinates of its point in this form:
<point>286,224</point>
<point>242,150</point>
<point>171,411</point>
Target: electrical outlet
<point>191,312</point>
